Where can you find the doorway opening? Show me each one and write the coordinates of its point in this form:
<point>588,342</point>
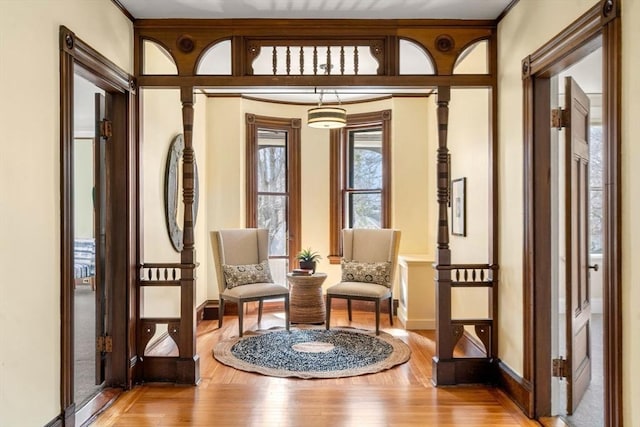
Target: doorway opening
<point>88,226</point>
<point>577,311</point>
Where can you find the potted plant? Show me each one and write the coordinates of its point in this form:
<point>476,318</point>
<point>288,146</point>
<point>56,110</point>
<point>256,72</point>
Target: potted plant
<point>307,259</point>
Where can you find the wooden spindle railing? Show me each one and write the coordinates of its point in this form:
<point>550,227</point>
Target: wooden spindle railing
<point>328,57</point>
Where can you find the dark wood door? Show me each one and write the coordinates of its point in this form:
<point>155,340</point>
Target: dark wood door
<point>100,229</point>
<point>578,298</point>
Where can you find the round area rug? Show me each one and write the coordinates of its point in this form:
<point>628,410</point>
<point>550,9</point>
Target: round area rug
<point>313,353</point>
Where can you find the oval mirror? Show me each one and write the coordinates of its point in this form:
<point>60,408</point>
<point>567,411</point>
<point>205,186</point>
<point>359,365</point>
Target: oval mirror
<point>172,187</point>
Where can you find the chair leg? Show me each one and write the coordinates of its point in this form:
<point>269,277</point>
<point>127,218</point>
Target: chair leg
<point>240,316</point>
<point>259,311</point>
<point>286,312</point>
<point>391,311</point>
<point>349,308</point>
<point>220,313</point>
<point>328,320</point>
<point>377,317</point>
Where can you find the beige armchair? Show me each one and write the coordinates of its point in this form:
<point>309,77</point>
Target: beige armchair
<point>241,258</point>
<point>369,262</point>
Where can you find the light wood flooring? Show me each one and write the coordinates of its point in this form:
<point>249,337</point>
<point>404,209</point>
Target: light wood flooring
<point>402,396</point>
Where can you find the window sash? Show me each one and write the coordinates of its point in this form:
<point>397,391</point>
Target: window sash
<point>339,169</point>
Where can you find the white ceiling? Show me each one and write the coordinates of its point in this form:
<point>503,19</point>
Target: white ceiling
<point>318,9</point>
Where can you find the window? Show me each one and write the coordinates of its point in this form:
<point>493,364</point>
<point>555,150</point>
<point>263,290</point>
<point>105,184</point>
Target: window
<point>360,176</point>
<point>273,186</point>
<point>595,189</point>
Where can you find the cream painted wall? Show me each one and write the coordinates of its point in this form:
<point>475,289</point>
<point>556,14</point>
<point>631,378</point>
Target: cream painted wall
<point>161,122</point>
<point>413,182</point>
<point>469,147</point>
<point>30,189</point>
<point>527,26</point>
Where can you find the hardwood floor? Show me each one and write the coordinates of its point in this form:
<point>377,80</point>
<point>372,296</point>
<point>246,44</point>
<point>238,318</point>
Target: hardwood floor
<point>402,396</point>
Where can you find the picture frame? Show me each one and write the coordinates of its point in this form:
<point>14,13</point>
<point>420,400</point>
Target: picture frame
<point>459,207</point>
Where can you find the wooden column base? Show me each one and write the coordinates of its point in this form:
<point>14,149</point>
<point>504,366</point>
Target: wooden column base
<point>463,371</point>
<point>188,370</point>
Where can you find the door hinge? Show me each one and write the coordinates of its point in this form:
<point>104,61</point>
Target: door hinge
<point>104,344</point>
<point>559,118</point>
<point>559,367</point>
<point>106,130</point>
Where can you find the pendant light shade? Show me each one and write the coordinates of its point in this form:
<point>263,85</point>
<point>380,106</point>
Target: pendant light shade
<point>322,117</point>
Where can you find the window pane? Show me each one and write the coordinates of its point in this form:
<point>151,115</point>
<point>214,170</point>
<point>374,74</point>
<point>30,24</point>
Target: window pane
<point>365,159</point>
<point>272,161</point>
<point>595,220</point>
<point>595,156</point>
<point>272,215</point>
<point>364,210</point>
<point>595,189</point>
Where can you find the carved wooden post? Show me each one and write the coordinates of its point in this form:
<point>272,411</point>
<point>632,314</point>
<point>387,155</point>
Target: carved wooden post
<point>188,364</point>
<point>443,366</point>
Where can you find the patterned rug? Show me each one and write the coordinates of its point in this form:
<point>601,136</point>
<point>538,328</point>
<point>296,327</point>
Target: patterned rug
<point>313,353</point>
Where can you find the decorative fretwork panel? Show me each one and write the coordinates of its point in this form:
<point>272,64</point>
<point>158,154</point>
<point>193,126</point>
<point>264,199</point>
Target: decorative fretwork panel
<point>315,58</point>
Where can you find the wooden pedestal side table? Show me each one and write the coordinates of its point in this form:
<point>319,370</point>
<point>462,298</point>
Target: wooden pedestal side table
<point>306,304</point>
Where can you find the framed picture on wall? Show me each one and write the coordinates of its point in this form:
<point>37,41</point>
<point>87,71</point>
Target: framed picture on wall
<point>458,207</point>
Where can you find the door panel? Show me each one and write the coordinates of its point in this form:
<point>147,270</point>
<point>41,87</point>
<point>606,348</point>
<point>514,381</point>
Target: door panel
<point>577,245</point>
<point>100,229</point>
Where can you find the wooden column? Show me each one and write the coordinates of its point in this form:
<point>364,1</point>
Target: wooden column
<point>443,366</point>
<point>188,364</point>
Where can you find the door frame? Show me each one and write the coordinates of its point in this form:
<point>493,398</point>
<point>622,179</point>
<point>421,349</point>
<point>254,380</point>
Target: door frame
<point>600,26</point>
<point>122,223</point>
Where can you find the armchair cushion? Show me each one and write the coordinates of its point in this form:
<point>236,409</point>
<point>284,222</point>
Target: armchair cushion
<point>359,289</point>
<point>378,273</point>
<point>238,275</point>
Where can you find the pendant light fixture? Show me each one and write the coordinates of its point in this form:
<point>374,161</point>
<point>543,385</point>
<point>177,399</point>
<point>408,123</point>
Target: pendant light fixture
<point>323,117</point>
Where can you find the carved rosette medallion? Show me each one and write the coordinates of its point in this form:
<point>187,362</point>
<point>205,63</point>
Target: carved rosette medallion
<point>186,43</point>
<point>445,43</point>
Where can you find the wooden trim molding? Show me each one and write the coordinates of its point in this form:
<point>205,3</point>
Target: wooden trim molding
<point>292,127</point>
<point>506,10</point>
<point>337,172</point>
<point>600,26</point>
<point>612,273</point>
<point>517,388</point>
<point>124,10</point>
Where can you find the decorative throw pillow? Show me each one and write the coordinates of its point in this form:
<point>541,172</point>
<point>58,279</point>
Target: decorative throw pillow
<point>238,275</point>
<point>368,272</point>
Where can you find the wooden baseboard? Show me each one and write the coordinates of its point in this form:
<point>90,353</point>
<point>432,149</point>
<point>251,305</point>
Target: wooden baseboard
<point>518,389</point>
<point>100,402</point>
<point>56,422</point>
<point>200,312</point>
